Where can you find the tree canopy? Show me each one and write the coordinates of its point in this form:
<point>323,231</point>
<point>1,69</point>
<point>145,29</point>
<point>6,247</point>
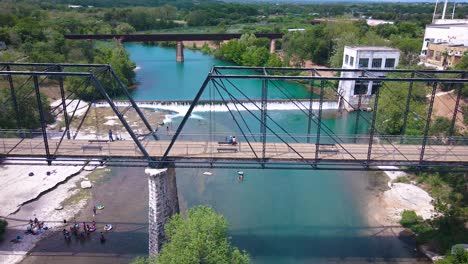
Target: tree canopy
<point>199,237</point>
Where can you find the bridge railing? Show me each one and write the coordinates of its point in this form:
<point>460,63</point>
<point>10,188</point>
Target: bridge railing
<point>325,139</point>
<point>253,137</point>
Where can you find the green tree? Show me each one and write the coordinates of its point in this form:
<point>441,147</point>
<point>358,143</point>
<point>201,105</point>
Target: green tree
<point>232,51</point>
<point>392,108</point>
<point>409,47</point>
<point>255,56</point>
<point>440,126</point>
<point>124,28</point>
<point>274,61</point>
<point>119,59</point>
<point>463,64</point>
<point>200,237</point>
<point>460,256</point>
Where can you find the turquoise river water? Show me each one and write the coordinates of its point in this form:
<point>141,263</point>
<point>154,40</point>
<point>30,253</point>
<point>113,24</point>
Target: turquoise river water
<point>278,216</point>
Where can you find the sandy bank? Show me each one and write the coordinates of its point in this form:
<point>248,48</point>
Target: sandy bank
<point>400,197</point>
<point>25,197</point>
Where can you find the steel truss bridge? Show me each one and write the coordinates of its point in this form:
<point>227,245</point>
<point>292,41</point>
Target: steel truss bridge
<point>267,144</point>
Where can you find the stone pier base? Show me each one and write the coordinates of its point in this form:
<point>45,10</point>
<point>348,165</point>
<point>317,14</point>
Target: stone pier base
<point>163,203</point>
<point>272,46</point>
<point>180,51</point>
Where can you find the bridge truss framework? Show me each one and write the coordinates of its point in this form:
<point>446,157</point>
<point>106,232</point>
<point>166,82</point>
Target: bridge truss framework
<point>222,81</point>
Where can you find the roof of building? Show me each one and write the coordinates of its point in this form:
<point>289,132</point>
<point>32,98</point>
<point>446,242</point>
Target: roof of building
<point>371,48</point>
<point>458,45</point>
<point>447,25</point>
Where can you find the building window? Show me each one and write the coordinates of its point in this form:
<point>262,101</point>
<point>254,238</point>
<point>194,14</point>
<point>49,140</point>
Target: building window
<point>363,63</point>
<point>430,53</point>
<point>389,63</point>
<point>376,63</point>
<point>437,55</point>
<point>346,59</point>
<point>375,85</point>
<point>360,87</point>
<point>351,60</point>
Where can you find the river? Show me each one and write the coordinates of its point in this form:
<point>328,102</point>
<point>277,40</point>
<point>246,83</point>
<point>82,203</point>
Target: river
<point>278,216</point>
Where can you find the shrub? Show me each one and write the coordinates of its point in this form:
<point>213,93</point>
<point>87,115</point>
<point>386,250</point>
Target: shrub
<point>3,225</point>
<point>410,218</point>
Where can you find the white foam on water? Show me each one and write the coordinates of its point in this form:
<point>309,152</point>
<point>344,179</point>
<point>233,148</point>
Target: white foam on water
<point>179,110</point>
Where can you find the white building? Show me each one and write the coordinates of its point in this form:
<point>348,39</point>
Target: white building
<point>444,30</point>
<point>364,57</point>
<point>441,31</point>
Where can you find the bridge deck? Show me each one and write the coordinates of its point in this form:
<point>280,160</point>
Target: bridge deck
<point>14,147</point>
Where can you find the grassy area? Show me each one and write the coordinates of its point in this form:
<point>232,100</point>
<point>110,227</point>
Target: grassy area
<point>80,195</point>
<point>96,177</point>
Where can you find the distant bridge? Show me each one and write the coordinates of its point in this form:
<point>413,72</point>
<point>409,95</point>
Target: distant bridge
<point>174,37</point>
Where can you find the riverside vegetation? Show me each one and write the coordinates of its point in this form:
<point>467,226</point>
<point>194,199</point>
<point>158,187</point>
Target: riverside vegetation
<point>199,237</point>
<point>34,32</point>
<point>3,225</point>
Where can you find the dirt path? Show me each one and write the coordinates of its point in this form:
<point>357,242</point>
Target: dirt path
<point>444,105</point>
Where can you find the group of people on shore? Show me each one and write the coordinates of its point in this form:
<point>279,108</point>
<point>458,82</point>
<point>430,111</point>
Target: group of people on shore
<point>84,230</point>
<point>79,230</point>
<point>35,227</point>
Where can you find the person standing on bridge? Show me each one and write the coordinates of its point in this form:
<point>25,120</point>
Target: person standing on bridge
<point>110,135</point>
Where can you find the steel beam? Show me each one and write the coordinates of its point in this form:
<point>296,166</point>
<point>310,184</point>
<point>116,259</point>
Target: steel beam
<point>64,104</point>
<point>407,108</point>
<point>319,125</point>
<point>32,64</point>
<point>428,123</point>
<point>132,102</point>
<point>331,69</point>
<point>264,109</point>
<point>333,78</point>
<point>42,119</point>
<point>184,120</point>
<point>168,37</point>
<point>372,128</point>
<point>121,118</point>
<point>455,110</point>
<point>13,99</point>
<point>358,114</point>
<point>310,114</point>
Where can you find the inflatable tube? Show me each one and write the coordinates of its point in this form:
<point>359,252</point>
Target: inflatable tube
<point>107,227</point>
<point>100,207</point>
<point>92,229</point>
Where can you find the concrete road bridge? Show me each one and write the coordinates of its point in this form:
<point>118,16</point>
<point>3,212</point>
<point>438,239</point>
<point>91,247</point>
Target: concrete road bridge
<point>178,38</point>
<point>275,146</point>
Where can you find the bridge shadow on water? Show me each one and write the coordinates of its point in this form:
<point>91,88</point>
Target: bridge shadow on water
<point>309,244</point>
<point>329,244</point>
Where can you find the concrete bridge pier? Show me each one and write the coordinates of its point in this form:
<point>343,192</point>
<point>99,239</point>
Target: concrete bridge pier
<point>180,51</point>
<point>272,46</point>
<point>163,203</point>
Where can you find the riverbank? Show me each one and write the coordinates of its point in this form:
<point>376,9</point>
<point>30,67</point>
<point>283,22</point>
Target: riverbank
<point>387,203</point>
<point>53,193</point>
<point>42,195</point>
<point>404,196</point>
